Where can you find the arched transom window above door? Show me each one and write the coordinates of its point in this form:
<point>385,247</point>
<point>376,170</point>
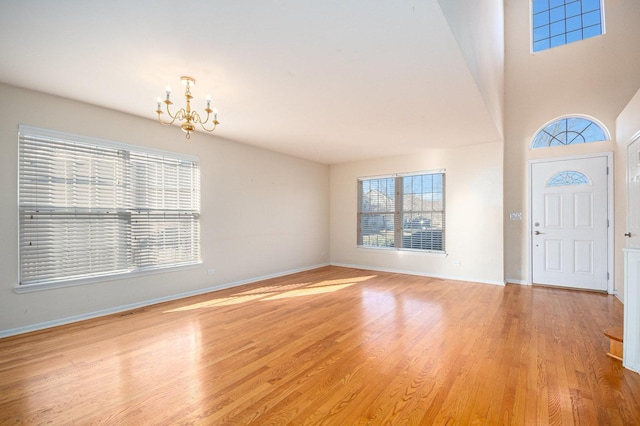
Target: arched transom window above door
<point>568,178</point>
<point>569,131</point>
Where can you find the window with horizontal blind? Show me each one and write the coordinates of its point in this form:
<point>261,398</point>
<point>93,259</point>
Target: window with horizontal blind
<point>90,208</point>
<point>402,211</point>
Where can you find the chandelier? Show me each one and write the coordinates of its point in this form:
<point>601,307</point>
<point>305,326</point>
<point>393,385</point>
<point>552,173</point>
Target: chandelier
<point>185,115</point>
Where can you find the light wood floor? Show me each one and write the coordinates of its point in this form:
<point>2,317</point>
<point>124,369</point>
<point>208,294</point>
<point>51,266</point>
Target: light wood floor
<point>332,346</point>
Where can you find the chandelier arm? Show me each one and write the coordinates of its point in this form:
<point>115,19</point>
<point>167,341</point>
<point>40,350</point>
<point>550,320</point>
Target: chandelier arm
<point>165,122</point>
<point>182,115</point>
<point>173,117</point>
<point>186,116</point>
<point>197,119</point>
<point>167,103</point>
<point>215,123</point>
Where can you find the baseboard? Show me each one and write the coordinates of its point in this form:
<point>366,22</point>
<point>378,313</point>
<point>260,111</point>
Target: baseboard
<point>421,274</point>
<point>514,281</point>
<point>617,295</point>
<point>123,308</point>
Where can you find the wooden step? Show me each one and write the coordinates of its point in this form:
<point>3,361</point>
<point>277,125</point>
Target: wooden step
<point>615,342</point>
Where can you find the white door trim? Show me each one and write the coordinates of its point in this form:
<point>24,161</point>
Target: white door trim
<point>610,232</point>
<point>633,139</point>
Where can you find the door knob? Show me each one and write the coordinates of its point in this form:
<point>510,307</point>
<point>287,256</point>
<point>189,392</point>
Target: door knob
<point>537,232</point>
<point>628,234</point>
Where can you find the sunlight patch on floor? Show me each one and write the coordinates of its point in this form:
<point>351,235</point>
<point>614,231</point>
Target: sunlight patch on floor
<point>308,291</point>
<point>277,292</point>
<point>225,301</point>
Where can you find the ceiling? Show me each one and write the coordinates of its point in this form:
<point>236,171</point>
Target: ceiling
<point>331,81</point>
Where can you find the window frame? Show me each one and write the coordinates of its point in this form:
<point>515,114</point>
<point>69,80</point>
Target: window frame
<point>592,120</point>
<point>564,21</point>
<point>173,214</point>
<point>400,213</point>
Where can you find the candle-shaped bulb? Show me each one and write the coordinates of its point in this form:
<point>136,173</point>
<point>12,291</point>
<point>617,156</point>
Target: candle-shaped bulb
<point>208,101</point>
<point>168,90</point>
<point>159,102</point>
<point>215,114</point>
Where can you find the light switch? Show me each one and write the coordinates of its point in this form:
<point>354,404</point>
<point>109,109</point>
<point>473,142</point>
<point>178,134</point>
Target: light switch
<point>515,216</point>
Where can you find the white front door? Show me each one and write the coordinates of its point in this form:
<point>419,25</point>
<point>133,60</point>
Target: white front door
<point>631,348</point>
<point>569,223</point>
<point>633,194</point>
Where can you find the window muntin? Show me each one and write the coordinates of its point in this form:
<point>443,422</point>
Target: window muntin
<point>568,131</point>
<point>90,208</point>
<point>376,212</point>
<point>419,221</point>
<point>568,178</point>
<point>558,22</point>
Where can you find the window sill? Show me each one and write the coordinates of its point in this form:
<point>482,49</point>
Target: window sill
<point>30,288</point>
<point>402,252</point>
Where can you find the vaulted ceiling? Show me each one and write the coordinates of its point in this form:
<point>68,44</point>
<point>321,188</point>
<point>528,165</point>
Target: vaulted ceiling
<point>331,81</point>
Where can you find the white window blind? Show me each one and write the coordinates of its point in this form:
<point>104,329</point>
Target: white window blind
<point>377,212</point>
<point>91,208</point>
<point>402,211</point>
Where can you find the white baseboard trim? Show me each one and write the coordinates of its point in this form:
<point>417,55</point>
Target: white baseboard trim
<point>514,281</point>
<point>131,306</point>
<point>421,274</point>
<point>617,295</point>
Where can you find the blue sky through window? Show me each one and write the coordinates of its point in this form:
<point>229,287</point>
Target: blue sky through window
<point>432,184</point>
<point>569,177</point>
<point>385,186</point>
<point>558,22</point>
<point>569,131</point>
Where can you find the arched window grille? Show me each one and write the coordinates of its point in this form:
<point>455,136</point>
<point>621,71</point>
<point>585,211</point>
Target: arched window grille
<point>569,131</point>
<point>568,177</point>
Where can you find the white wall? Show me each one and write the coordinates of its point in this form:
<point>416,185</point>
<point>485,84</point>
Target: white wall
<point>473,203</point>
<point>628,122</point>
<point>627,129</point>
<point>595,77</point>
<point>263,213</point>
<point>478,27</point>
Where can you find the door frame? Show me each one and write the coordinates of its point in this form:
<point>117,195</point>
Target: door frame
<point>610,232</point>
<point>627,192</point>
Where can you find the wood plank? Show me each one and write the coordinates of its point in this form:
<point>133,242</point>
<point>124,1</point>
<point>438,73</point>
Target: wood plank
<point>330,346</point>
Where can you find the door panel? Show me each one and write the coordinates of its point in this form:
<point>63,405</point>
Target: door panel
<point>553,211</point>
<point>583,256</point>
<point>553,255</point>
<point>631,355</point>
<point>583,210</point>
<point>633,194</point>
<point>569,209</point>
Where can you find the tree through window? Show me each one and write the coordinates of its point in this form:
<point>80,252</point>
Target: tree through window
<point>402,211</point>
